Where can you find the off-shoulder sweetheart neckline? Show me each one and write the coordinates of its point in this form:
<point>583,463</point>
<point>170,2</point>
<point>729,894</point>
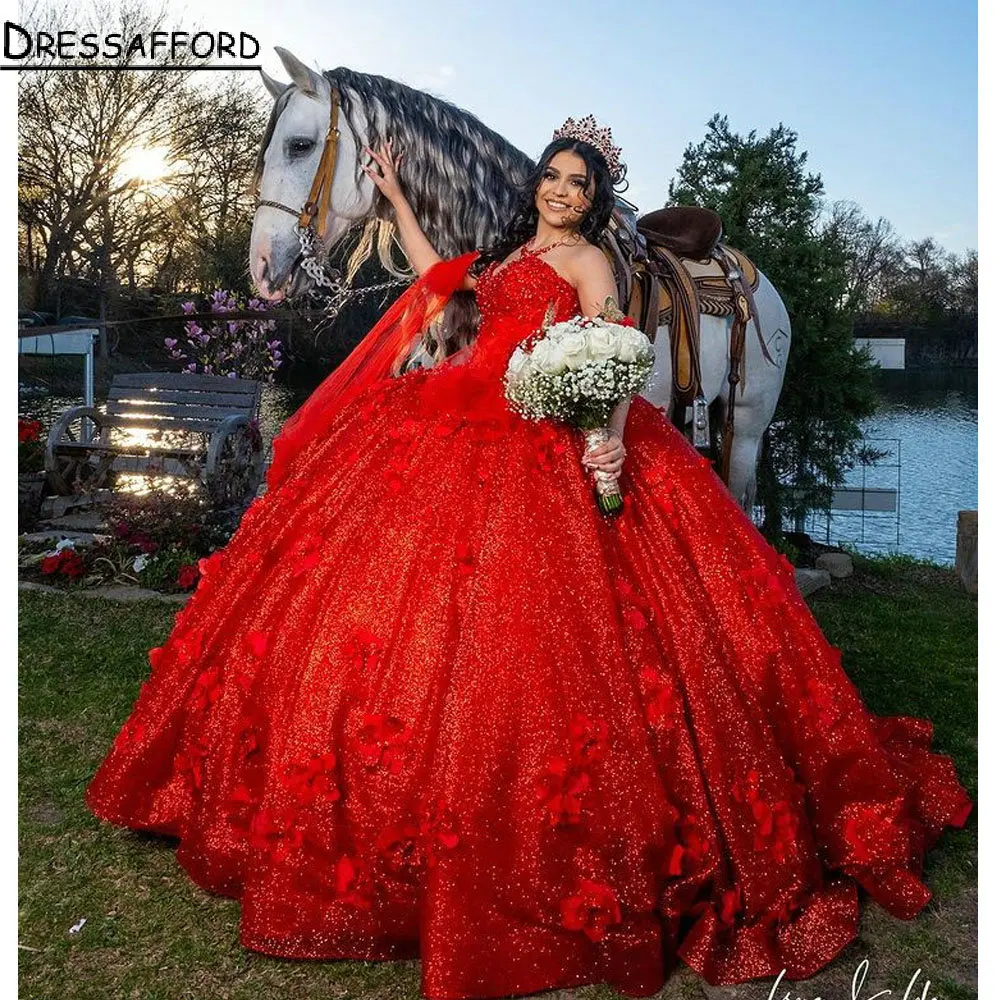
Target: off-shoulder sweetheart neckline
<point>498,270</point>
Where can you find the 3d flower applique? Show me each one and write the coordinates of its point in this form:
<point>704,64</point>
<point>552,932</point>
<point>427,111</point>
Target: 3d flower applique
<point>394,471</point>
<point>275,832</point>
<point>257,643</point>
<point>206,691</point>
<point>637,610</point>
<point>399,846</point>
<point>875,831</point>
<point>464,559</point>
<point>549,446</point>
<point>689,849</point>
<point>437,831</point>
<point>189,647</point>
<point>312,780</point>
<point>239,809</point>
<point>559,788</point>
<point>668,508</point>
<point>821,704</point>
<point>588,739</point>
<point>660,696</point>
<point>765,586</point>
<point>636,619</point>
<point>382,742</point>
<point>208,566</point>
<point>785,824</point>
<point>592,909</point>
<point>776,824</point>
<point>190,762</point>
<point>730,905</point>
<point>350,882</point>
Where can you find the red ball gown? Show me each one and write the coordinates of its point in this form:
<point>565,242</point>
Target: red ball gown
<point>428,702</point>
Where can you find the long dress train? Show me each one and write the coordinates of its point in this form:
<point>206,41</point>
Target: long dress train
<point>427,702</point>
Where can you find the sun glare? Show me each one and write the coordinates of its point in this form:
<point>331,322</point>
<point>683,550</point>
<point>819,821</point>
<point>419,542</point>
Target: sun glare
<point>146,164</point>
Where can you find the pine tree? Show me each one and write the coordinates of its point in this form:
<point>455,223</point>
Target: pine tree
<point>770,207</point>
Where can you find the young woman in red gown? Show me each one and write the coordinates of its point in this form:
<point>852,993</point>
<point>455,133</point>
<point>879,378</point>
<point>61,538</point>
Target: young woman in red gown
<point>428,702</point>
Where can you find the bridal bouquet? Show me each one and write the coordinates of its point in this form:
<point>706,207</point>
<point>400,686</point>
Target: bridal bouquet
<point>579,371</point>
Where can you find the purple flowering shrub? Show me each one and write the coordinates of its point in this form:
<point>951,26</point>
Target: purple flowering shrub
<point>235,348</point>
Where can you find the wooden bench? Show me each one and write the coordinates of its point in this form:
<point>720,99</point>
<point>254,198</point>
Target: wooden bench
<point>163,423</point>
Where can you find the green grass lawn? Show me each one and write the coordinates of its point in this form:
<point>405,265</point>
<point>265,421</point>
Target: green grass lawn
<point>908,635</point>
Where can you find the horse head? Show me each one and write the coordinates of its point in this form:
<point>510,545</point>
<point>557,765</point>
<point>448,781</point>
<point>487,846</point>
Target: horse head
<point>459,176</point>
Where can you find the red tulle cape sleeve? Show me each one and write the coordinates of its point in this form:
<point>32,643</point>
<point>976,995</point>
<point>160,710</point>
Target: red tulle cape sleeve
<point>383,347</point>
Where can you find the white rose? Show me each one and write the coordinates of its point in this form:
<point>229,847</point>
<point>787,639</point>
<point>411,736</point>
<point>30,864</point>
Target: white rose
<point>65,543</point>
<point>601,343</point>
<point>140,562</point>
<point>555,334</point>
<point>574,350</point>
<point>627,350</point>
<point>547,358</point>
<point>642,344</point>
<point>519,360</point>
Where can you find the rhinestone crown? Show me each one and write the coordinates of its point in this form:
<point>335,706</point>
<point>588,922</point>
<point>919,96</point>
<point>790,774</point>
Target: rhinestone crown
<point>587,130</point>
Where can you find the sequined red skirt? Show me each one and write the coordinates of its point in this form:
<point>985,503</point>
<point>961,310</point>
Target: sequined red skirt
<point>427,702</point>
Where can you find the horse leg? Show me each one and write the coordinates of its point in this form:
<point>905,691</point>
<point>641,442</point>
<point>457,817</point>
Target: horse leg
<point>743,463</point>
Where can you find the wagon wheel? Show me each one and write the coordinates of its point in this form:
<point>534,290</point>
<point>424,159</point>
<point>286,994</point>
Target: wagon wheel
<point>70,465</point>
<point>235,460</point>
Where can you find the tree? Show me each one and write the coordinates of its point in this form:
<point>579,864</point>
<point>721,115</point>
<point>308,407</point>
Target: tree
<point>80,216</point>
<point>770,208</point>
<point>873,254</point>
<point>963,281</point>
<point>74,131</point>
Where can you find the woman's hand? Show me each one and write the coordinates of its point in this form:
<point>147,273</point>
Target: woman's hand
<point>608,456</point>
<point>386,178</point>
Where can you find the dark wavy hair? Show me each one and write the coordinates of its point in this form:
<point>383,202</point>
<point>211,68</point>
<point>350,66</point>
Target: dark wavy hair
<point>460,322</point>
<point>522,226</point>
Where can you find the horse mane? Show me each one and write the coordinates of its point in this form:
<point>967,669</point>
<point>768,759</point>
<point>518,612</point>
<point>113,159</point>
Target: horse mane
<point>459,176</point>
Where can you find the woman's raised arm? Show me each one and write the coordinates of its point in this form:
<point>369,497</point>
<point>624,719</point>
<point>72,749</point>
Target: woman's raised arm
<point>416,246</point>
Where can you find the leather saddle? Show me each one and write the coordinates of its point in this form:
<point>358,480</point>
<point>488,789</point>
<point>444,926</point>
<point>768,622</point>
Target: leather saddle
<point>671,266</point>
<point>683,229</point>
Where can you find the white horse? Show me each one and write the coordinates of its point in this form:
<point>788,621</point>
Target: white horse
<point>461,178</point>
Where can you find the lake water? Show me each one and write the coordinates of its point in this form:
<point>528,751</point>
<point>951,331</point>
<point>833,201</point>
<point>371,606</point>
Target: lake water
<point>928,422</point>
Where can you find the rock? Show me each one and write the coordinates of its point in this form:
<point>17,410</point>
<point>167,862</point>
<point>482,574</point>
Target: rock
<point>967,550</point>
<point>84,521</point>
<point>79,537</point>
<point>837,564</point>
<point>810,580</point>
<point>127,594</point>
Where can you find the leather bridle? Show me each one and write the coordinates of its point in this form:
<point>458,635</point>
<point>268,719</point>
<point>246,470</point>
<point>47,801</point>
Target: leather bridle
<point>311,227</point>
<point>314,212</point>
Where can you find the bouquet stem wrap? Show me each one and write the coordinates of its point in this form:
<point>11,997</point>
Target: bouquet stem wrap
<point>609,496</point>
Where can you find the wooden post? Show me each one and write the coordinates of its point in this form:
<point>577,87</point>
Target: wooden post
<point>967,550</point>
